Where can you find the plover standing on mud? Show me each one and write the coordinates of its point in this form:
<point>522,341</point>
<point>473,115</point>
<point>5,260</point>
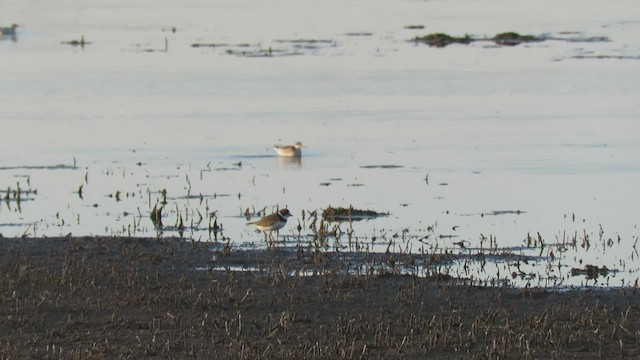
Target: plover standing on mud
<point>289,150</point>
<point>273,222</point>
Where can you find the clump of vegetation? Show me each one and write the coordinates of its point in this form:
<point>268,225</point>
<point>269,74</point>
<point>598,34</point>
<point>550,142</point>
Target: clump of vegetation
<point>442,39</point>
<point>509,38</point>
<point>349,214</point>
<point>156,216</point>
<point>591,271</point>
<point>512,38</point>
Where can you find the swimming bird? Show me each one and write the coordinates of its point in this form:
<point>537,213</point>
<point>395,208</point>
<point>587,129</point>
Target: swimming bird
<point>273,222</point>
<point>8,31</point>
<point>289,150</point>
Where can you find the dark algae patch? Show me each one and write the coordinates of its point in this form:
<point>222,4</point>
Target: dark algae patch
<point>74,42</point>
<point>286,47</point>
<point>90,298</point>
<point>349,214</point>
<point>513,38</point>
<point>442,39</point>
<point>504,212</point>
<point>381,166</point>
<point>309,44</point>
<point>591,271</point>
<point>509,38</point>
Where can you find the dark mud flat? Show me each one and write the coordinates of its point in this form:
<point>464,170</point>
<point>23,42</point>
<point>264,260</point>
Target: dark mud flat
<point>93,298</point>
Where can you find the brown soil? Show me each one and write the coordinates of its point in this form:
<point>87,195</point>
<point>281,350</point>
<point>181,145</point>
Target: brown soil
<point>91,297</point>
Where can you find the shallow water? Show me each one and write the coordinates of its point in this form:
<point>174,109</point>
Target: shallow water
<point>539,138</point>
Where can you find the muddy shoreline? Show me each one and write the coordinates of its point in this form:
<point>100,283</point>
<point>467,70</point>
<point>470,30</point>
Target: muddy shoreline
<point>97,297</point>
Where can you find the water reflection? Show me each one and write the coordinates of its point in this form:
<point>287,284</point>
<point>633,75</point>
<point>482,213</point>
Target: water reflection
<point>11,37</point>
<point>290,161</point>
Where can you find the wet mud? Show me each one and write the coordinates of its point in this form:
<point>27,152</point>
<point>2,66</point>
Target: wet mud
<point>96,297</point>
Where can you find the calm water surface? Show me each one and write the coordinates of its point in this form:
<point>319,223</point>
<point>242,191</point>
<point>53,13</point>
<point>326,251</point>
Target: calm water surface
<point>479,144</point>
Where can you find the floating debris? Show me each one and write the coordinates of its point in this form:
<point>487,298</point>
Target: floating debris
<point>286,47</point>
<point>381,166</point>
<point>212,45</point>
<point>513,38</point>
<point>591,271</point>
<point>614,57</point>
<point>148,49</point>
<point>579,38</point>
<point>308,44</point>
<point>80,42</point>
<point>349,214</point>
<point>363,33</point>
<point>504,212</point>
<point>442,39</point>
<point>509,38</point>
<point>39,167</point>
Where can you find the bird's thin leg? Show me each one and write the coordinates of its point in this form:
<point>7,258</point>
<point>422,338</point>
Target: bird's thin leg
<point>272,242</point>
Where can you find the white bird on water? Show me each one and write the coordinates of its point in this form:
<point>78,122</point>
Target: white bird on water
<point>289,150</point>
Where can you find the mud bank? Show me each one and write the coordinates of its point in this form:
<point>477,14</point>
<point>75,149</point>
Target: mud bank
<point>162,298</point>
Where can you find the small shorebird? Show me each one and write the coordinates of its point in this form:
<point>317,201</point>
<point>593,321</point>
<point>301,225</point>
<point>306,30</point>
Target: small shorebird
<point>8,31</point>
<point>289,150</point>
<point>273,222</point>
